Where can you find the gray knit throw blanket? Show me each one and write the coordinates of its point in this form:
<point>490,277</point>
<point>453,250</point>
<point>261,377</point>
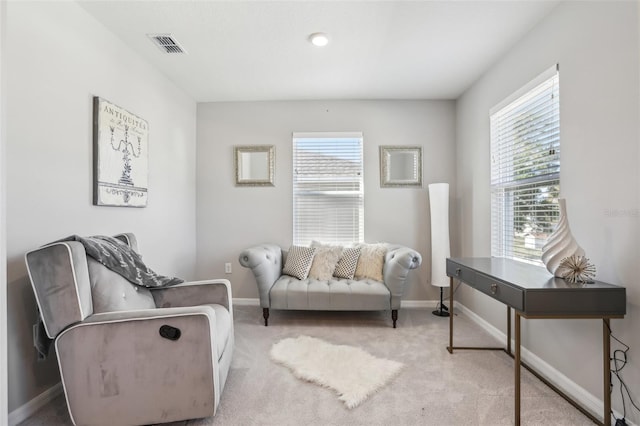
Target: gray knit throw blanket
<point>123,260</point>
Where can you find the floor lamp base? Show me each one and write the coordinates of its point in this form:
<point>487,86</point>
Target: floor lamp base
<point>443,311</point>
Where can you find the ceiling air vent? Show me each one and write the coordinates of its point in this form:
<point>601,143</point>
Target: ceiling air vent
<point>167,43</point>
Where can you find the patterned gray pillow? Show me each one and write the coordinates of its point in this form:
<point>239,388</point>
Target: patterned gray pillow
<point>346,267</point>
<point>299,261</point>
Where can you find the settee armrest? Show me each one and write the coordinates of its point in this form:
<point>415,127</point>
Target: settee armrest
<point>114,359</point>
<point>194,293</point>
<point>265,261</point>
<point>398,262</point>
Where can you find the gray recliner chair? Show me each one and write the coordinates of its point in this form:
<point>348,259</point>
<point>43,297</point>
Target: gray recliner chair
<point>129,355</point>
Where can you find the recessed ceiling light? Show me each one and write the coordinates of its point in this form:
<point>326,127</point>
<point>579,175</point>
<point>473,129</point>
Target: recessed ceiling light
<point>319,39</point>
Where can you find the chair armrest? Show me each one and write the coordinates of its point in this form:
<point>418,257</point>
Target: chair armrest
<point>265,261</point>
<point>59,275</point>
<point>398,262</point>
<point>194,293</point>
<point>145,314</point>
<point>114,360</point>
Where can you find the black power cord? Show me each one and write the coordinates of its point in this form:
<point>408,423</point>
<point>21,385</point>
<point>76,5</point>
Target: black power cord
<point>444,307</point>
<point>619,362</point>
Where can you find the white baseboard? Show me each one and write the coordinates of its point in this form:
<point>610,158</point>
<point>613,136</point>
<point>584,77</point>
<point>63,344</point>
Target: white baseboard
<point>242,301</point>
<point>420,304</point>
<point>592,403</point>
<point>27,410</point>
<point>246,301</point>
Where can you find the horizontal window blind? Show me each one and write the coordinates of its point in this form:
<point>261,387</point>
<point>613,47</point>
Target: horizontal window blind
<point>328,191</point>
<point>525,170</point>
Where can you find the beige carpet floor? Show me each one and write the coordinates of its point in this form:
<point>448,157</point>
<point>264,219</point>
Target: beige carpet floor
<point>435,387</point>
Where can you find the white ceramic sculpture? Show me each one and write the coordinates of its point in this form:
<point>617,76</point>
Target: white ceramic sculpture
<point>577,269</point>
<point>560,243</point>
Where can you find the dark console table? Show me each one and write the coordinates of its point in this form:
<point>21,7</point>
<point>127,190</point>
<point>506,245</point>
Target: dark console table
<point>533,293</point>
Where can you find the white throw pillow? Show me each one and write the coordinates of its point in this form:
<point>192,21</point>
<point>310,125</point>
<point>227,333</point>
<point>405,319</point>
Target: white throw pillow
<point>324,261</point>
<point>371,261</point>
<point>299,261</point>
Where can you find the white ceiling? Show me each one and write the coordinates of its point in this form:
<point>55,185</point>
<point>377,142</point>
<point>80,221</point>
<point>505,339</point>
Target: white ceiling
<point>258,50</point>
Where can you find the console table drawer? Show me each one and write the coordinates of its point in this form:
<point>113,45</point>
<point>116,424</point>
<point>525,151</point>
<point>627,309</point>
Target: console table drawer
<point>461,273</point>
<point>505,293</point>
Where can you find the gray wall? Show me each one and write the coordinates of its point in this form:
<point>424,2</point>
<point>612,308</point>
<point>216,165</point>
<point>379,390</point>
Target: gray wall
<point>231,218</point>
<point>596,45</point>
<point>3,215</point>
<point>57,58</point>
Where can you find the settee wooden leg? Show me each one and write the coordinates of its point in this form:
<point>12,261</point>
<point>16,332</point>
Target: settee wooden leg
<point>265,314</point>
<point>394,316</point>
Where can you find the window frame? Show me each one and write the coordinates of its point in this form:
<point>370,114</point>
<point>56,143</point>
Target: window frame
<point>525,168</point>
<point>343,188</point>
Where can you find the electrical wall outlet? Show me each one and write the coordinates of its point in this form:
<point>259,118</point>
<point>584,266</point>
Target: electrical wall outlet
<point>227,268</point>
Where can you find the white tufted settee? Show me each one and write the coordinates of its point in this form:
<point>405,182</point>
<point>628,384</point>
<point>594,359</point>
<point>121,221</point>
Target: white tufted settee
<point>279,291</point>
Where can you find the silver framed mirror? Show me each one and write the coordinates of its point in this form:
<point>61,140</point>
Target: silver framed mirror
<point>400,166</point>
<point>254,165</point>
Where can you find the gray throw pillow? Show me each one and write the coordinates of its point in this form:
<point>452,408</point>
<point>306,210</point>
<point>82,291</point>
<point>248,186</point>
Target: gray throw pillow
<point>299,261</point>
<point>346,267</point>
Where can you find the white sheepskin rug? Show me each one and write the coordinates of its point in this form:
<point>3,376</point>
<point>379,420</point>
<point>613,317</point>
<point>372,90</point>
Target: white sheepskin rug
<point>353,373</point>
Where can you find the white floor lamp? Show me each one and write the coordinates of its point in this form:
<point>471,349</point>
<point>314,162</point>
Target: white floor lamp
<point>440,248</point>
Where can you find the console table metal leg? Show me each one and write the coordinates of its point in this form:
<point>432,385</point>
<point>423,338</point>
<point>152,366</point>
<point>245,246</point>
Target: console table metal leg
<point>509,330</point>
<point>450,348</point>
<point>517,371</point>
<point>606,370</point>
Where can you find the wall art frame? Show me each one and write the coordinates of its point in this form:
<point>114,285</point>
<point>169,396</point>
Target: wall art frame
<point>254,165</point>
<point>400,166</point>
<point>120,156</point>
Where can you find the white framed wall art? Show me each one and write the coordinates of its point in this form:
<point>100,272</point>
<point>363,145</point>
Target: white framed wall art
<point>120,156</point>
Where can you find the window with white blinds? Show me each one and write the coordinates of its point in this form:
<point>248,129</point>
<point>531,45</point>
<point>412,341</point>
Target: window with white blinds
<point>328,188</point>
<point>525,169</point>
